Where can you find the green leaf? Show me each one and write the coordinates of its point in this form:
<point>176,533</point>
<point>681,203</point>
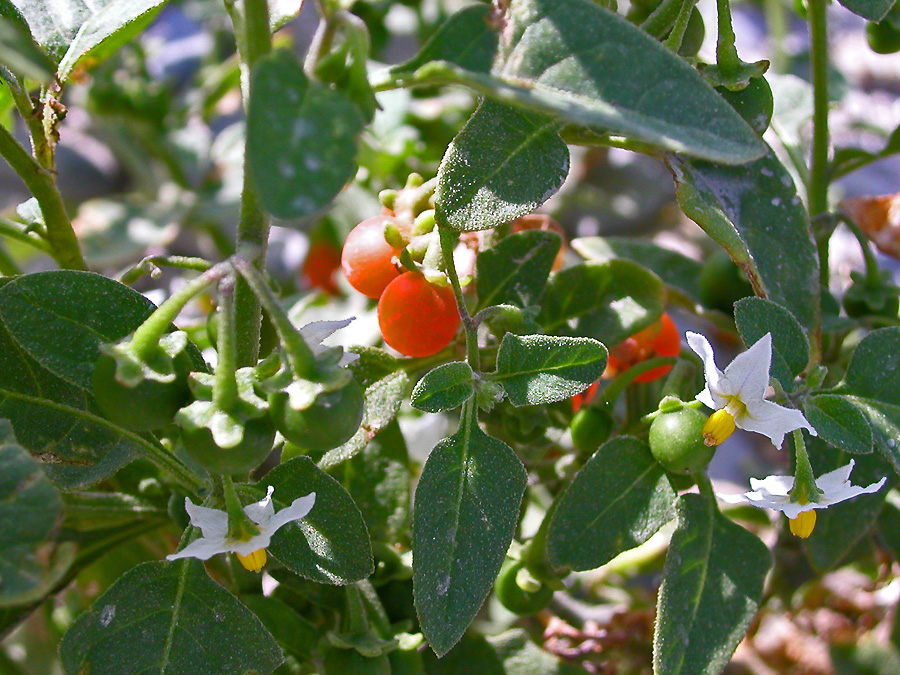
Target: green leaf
<point>73,27</point>
<point>61,317</point>
<point>599,70</point>
<point>30,510</point>
<point>676,270</point>
<point>521,656</point>
<point>464,42</point>
<point>502,165</point>
<point>793,109</point>
<point>884,420</point>
<point>302,151</point>
<point>331,545</point>
<point>587,66</point>
<point>790,349</point>
<point>871,385</point>
<point>840,527</point>
<point>444,388</point>
<point>867,656</point>
<point>849,159</point>
<point>172,619</point>
<point>383,399</point>
<point>472,648</point>
<point>282,11</point>
<point>755,213</point>
<point>378,479</point>
<point>107,28</point>
<point>873,10</point>
<point>840,423</point>
<point>296,635</point>
<point>515,271</point>
<point>351,662</point>
<point>874,368</point>
<point>712,586</point>
<point>75,447</point>
<point>606,301</point>
<point>617,501</point>
<point>21,55</point>
<point>465,513</point>
<point>538,369</point>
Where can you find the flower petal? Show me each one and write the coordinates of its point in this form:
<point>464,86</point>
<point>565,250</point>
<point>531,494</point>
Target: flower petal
<point>848,492</point>
<point>710,396</point>
<point>776,486</point>
<point>262,511</point>
<point>252,545</point>
<point>835,480</point>
<point>772,420</point>
<point>748,373</point>
<point>213,523</point>
<point>740,498</point>
<point>203,548</point>
<point>794,509</point>
<point>297,510</point>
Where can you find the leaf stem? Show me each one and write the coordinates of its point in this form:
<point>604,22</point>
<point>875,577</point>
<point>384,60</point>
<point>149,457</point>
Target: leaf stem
<point>873,275</point>
<point>676,36</point>
<point>151,265</point>
<point>817,189</point>
<point>300,357</point>
<point>726,54</point>
<point>254,38</point>
<point>225,390</point>
<point>663,17</point>
<point>41,182</point>
<point>473,357</point>
<point>14,230</point>
<point>146,337</point>
<point>8,266</point>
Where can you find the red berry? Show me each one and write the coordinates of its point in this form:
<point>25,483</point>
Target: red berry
<point>417,318</point>
<point>322,261</point>
<point>658,339</point>
<point>585,397</point>
<point>367,258</point>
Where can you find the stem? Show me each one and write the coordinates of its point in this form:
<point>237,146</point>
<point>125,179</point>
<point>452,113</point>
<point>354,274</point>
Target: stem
<point>817,189</point>
<point>239,525</point>
<point>872,270</point>
<point>776,19</point>
<point>726,55</point>
<point>14,230</point>
<point>251,25</point>
<point>8,266</point>
<point>300,356</point>
<point>662,17</point>
<point>804,490</point>
<point>676,37</point>
<point>225,391</point>
<point>705,486</point>
<point>40,181</point>
<point>26,107</point>
<point>473,357</point>
<point>621,382</point>
<point>146,337</point>
<point>151,263</point>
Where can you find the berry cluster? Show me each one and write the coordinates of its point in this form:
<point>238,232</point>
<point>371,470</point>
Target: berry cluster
<point>389,258</point>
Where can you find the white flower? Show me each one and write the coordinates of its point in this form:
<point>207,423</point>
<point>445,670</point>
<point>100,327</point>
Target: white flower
<point>774,492</point>
<point>213,525</point>
<point>738,394</point>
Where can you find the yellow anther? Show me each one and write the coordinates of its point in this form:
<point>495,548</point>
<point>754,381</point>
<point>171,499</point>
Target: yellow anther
<point>255,561</point>
<point>803,525</point>
<point>718,427</point>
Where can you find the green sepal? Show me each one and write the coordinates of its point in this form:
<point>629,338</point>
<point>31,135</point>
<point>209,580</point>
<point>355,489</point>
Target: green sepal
<point>133,368</point>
